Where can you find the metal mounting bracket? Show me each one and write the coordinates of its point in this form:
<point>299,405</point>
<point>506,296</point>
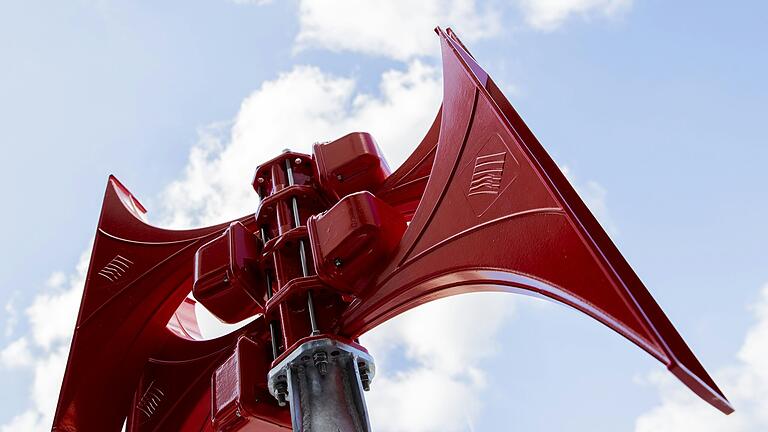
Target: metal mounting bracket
<point>323,380</point>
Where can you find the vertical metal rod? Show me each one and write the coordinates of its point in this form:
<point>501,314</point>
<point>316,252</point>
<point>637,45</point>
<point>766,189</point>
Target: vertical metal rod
<point>302,249</point>
<point>265,239</point>
<point>273,332</point>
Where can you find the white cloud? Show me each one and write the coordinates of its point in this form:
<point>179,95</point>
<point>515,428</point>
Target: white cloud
<point>51,317</point>
<point>550,14</point>
<point>745,383</point>
<point>437,390</point>
<point>53,313</point>
<point>28,421</point>
<point>298,108</point>
<point>16,354</point>
<point>398,29</point>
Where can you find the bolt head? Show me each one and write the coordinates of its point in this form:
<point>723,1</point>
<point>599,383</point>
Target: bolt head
<point>260,180</point>
<point>337,262</point>
<point>339,177</point>
<point>298,161</point>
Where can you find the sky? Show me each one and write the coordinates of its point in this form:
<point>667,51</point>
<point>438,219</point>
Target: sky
<point>656,110</point>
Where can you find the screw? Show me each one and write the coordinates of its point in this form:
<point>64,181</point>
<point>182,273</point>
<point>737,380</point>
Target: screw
<point>260,180</point>
<point>298,161</point>
<point>321,362</point>
<point>339,177</point>
<point>338,262</point>
<point>281,393</point>
<point>365,379</point>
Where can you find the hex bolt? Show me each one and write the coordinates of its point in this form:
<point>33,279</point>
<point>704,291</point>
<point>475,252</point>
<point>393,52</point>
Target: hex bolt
<point>339,177</point>
<point>321,362</point>
<point>338,262</point>
<point>261,180</point>
<point>298,161</point>
<point>365,379</point>
<point>281,393</point>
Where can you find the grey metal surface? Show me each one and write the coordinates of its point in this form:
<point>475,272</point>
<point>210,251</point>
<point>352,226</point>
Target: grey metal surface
<point>323,380</point>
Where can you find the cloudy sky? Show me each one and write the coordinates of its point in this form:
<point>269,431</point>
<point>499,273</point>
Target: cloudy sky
<point>656,109</point>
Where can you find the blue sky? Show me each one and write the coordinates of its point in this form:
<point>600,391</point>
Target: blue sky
<point>657,109</point>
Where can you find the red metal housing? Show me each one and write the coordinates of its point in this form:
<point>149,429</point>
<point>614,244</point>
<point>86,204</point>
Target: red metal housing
<point>352,163</point>
<point>239,392</point>
<point>227,277</point>
<point>352,241</point>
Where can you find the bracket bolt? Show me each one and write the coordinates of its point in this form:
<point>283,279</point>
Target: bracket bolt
<point>281,393</point>
<point>321,362</point>
<point>365,379</point>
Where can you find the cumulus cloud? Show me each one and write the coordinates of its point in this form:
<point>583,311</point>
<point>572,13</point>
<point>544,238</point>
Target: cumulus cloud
<point>44,351</point>
<point>401,29</point>
<point>16,354</point>
<point>745,383</point>
<point>436,390</point>
<point>398,29</point>
<point>298,108</point>
<point>550,14</point>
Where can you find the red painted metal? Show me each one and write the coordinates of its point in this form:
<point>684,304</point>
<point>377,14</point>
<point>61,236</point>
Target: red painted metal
<point>239,392</point>
<point>135,351</point>
<point>328,254</point>
<point>227,277</point>
<point>352,241</point>
<point>350,164</point>
<point>498,215</point>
